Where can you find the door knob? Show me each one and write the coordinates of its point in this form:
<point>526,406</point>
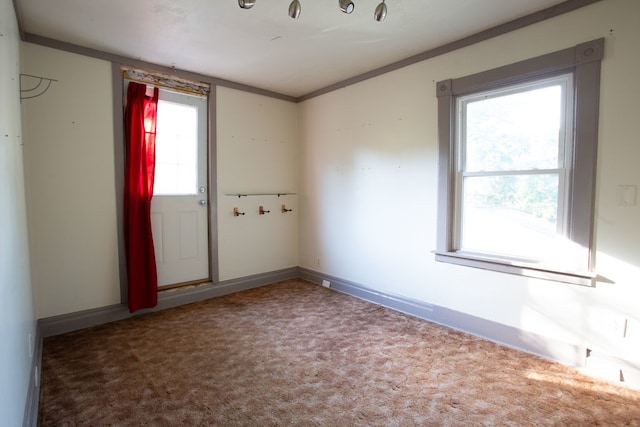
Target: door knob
<point>202,203</point>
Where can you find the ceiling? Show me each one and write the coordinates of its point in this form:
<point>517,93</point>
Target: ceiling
<point>263,47</point>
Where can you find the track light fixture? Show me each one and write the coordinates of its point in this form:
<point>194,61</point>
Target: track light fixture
<point>346,6</point>
<point>381,12</point>
<point>294,9</point>
<point>246,4</point>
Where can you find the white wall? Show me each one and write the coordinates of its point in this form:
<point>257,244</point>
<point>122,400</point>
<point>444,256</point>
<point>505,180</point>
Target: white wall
<point>257,144</point>
<point>69,157</point>
<point>69,160</point>
<point>17,316</point>
<point>368,162</point>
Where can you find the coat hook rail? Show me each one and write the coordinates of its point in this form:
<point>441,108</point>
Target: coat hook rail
<point>41,85</point>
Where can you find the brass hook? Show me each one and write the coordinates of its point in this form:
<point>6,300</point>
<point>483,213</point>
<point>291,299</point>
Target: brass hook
<point>236,213</point>
<point>284,209</point>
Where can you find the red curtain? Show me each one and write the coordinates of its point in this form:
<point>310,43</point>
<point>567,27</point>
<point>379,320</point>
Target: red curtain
<point>140,130</point>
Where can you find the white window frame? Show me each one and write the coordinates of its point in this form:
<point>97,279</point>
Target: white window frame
<point>582,62</point>
<point>562,169</point>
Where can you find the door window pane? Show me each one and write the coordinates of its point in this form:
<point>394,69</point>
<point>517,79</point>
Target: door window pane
<point>176,149</point>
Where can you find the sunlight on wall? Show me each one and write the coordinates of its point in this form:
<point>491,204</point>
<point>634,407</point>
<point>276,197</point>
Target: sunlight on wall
<point>617,294</point>
<point>573,382</point>
<point>603,319</point>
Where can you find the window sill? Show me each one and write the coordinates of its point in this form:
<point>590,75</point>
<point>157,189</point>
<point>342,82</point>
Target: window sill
<point>515,267</point>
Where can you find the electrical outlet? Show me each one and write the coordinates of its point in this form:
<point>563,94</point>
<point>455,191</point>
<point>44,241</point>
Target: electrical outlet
<point>326,283</point>
<point>318,262</point>
<point>632,331</point>
<point>627,195</point>
<point>618,326</point>
<point>608,324</point>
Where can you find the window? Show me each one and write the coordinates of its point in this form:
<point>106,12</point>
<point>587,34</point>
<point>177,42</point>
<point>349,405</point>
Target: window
<point>176,148</point>
<point>517,151</point>
<point>512,147</point>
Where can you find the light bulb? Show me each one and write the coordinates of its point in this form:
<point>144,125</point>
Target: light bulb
<point>346,6</point>
<point>381,12</point>
<point>246,4</point>
<point>294,9</point>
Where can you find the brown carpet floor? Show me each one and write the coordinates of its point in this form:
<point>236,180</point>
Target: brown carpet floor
<point>295,353</point>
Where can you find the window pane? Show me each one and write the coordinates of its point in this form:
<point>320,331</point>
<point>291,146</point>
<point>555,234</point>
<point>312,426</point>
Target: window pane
<point>515,215</point>
<point>518,131</point>
<point>176,149</point>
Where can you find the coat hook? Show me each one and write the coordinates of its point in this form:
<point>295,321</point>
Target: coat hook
<point>236,213</point>
<point>262,211</point>
<point>284,209</point>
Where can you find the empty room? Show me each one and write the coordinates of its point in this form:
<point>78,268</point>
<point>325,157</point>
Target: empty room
<point>329,212</point>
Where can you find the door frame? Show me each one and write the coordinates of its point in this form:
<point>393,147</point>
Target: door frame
<point>119,166</point>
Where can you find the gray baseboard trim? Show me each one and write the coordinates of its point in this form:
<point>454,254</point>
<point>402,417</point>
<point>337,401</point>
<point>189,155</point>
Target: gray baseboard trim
<point>210,290</point>
<point>64,323</point>
<point>566,353</point>
<point>56,325</point>
<point>416,308</point>
<point>30,418</point>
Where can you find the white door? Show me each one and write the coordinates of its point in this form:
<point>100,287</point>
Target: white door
<point>179,213</point>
